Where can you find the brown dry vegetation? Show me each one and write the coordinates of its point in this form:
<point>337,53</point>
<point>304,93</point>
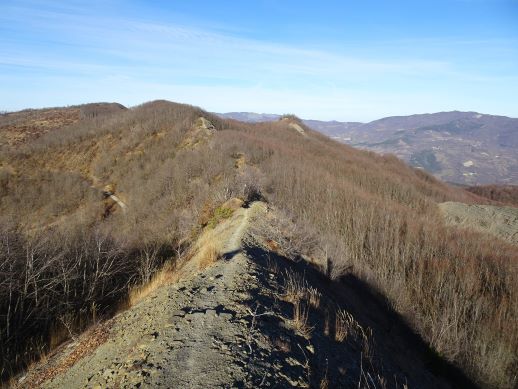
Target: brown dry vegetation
<point>357,211</point>
<point>18,127</point>
<point>506,194</point>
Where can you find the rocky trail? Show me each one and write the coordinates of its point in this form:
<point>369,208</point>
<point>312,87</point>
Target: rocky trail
<point>250,319</point>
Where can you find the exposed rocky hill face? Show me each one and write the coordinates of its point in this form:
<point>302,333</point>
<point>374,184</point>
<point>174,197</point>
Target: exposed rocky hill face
<point>460,147</point>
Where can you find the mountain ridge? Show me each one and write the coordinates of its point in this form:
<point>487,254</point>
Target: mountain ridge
<point>456,146</point>
<point>70,254</point>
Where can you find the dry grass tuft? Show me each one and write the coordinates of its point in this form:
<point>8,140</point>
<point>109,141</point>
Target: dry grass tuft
<point>138,293</point>
<point>300,320</point>
<point>366,338</point>
<point>209,254</point>
<point>303,297</point>
<point>295,288</point>
<point>313,296</point>
<point>344,325</point>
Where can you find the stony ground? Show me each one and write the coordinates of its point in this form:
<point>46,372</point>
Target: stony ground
<point>231,324</point>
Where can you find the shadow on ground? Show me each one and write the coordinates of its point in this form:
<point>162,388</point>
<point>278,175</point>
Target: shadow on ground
<point>391,356</point>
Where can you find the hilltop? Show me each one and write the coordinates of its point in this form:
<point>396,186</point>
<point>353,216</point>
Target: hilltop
<point>18,127</point>
<point>106,217</point>
<point>461,147</point>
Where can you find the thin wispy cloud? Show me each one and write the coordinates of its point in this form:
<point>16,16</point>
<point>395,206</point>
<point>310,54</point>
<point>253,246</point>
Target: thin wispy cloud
<point>77,45</point>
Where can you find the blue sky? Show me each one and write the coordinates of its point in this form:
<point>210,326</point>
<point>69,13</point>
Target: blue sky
<point>343,60</point>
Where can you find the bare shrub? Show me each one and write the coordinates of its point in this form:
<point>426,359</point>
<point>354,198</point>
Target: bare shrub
<point>59,277</point>
<point>282,235</point>
<point>148,262</point>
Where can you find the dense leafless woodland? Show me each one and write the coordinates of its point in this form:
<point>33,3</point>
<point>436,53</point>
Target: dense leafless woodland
<point>506,194</point>
<point>68,256</point>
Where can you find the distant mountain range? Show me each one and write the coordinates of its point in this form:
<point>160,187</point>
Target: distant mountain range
<point>460,147</point>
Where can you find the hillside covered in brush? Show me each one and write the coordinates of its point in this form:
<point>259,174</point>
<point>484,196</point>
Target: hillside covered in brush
<point>466,148</point>
<point>95,199</point>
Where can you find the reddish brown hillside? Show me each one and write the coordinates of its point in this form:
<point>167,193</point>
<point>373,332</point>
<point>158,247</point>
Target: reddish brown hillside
<point>506,194</point>
<point>174,166</point>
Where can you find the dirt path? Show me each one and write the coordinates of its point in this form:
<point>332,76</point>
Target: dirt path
<point>192,334</point>
<point>231,325</point>
<point>119,202</point>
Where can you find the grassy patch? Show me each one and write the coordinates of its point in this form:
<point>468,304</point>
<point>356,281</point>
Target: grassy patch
<point>220,213</point>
